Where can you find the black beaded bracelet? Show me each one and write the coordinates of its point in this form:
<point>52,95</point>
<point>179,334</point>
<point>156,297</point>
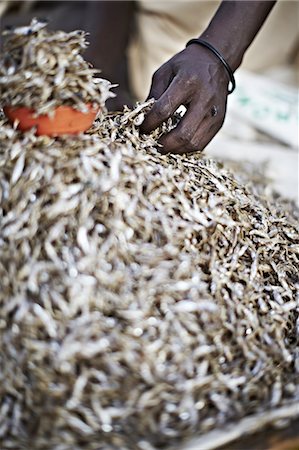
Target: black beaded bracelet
<point>219,56</point>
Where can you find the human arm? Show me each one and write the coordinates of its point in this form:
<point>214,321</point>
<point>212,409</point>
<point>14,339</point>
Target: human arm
<point>197,79</point>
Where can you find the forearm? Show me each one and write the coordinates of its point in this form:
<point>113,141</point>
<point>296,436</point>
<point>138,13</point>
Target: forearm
<point>234,27</point>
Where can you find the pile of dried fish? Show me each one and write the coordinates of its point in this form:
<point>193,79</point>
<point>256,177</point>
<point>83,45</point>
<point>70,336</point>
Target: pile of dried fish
<point>144,298</point>
<point>44,69</point>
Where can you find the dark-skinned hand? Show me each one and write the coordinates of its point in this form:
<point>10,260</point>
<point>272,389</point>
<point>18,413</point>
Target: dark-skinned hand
<point>196,79</point>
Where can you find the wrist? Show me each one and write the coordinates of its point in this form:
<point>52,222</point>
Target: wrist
<point>234,26</point>
<point>220,58</point>
<point>233,53</point>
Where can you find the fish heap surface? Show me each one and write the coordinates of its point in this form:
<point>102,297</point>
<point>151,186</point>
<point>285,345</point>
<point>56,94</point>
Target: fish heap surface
<point>144,298</point>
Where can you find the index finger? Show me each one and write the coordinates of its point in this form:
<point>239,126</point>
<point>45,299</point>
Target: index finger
<point>181,138</point>
<point>160,82</point>
<point>174,96</point>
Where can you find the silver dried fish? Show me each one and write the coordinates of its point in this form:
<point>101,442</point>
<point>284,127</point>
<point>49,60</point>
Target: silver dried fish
<point>144,298</point>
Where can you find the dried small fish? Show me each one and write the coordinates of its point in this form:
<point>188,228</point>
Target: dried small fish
<point>142,292</point>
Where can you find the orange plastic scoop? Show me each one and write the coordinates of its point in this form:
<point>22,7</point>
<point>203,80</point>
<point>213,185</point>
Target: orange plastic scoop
<point>66,120</point>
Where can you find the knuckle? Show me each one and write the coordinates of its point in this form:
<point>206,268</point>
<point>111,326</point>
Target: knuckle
<point>186,135</point>
<point>192,79</point>
<point>161,113</point>
<point>181,139</point>
<point>182,76</point>
<point>163,109</point>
